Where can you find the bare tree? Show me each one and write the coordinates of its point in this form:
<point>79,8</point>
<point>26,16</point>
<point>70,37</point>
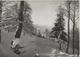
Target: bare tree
<point>72,13</point>
<point>74,17</point>
<point>73,27</point>
<point>75,10</point>
<point>68,8</point>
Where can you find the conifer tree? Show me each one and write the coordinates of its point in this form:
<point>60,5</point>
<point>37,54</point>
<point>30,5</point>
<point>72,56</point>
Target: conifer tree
<point>58,30</point>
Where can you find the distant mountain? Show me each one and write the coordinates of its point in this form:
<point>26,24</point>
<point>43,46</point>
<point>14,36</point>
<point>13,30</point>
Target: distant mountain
<point>42,27</point>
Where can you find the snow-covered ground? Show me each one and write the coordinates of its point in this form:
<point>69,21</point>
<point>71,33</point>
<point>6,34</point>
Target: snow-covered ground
<point>56,53</point>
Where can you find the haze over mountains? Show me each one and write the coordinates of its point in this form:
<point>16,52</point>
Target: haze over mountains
<point>43,27</point>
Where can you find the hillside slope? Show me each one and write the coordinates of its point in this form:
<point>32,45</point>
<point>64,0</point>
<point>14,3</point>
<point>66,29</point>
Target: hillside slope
<point>43,46</point>
<point>5,50</point>
<point>30,43</point>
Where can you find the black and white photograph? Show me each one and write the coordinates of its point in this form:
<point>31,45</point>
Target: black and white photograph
<point>39,28</point>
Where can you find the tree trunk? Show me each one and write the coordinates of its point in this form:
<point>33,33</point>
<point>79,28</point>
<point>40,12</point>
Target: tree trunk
<point>0,17</point>
<point>74,27</point>
<point>78,49</point>
<point>60,48</point>
<point>18,32</point>
<point>59,40</point>
<point>68,26</point>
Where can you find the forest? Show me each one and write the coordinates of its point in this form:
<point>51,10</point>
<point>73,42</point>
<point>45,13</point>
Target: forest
<point>20,37</point>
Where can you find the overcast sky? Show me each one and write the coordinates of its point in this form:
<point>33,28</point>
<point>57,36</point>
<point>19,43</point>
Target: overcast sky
<point>44,11</point>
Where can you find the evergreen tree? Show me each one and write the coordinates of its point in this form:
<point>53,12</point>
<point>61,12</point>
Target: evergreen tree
<point>10,16</point>
<point>58,30</point>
